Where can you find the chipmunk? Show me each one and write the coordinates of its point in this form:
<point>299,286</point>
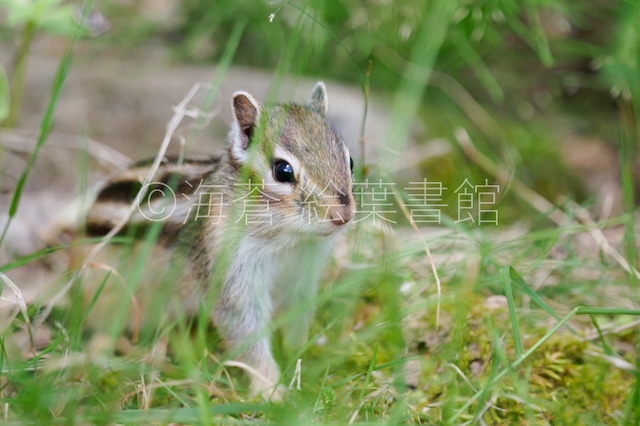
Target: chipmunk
<point>253,226</point>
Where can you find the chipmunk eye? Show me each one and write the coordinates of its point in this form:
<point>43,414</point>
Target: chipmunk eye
<point>282,171</point>
<point>351,163</point>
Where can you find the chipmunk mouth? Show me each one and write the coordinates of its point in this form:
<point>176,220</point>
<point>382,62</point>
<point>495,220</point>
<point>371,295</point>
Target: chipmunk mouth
<point>335,226</point>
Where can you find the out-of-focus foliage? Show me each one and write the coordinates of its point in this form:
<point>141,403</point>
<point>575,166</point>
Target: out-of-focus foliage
<point>493,47</point>
<point>47,15</point>
<point>534,69</point>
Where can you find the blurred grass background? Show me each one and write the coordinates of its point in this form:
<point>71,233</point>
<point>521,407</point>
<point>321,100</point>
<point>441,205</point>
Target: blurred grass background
<point>536,85</point>
<point>522,77</point>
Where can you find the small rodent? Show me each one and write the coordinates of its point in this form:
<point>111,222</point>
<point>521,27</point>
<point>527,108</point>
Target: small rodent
<point>256,244</point>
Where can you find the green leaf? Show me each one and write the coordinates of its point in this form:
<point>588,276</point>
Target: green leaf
<point>47,15</point>
<point>19,11</point>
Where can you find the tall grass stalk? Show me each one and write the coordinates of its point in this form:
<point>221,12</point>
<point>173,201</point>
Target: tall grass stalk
<point>629,148</point>
<point>45,129</point>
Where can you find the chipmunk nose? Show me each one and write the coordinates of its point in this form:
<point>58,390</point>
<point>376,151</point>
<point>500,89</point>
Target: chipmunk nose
<point>340,215</point>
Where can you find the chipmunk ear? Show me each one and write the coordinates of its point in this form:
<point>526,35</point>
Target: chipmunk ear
<point>246,116</point>
<point>319,100</point>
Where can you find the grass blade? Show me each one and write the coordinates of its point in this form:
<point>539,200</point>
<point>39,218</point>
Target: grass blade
<point>517,339</point>
<point>370,370</point>
<point>526,289</point>
<point>605,345</point>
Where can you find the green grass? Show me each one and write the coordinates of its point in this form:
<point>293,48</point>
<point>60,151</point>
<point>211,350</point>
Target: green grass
<point>537,319</point>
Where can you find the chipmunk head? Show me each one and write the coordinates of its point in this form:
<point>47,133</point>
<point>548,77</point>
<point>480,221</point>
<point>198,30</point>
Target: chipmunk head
<point>300,161</point>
